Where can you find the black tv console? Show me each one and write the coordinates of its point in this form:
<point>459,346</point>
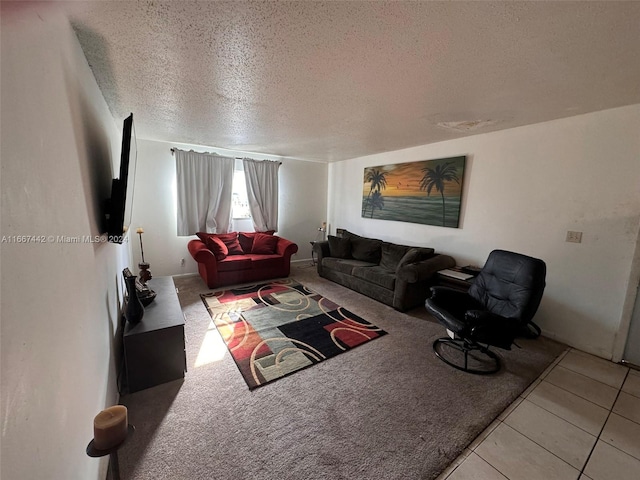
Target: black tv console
<point>154,349</point>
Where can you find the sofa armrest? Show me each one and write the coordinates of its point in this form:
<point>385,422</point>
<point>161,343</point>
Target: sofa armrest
<point>286,247</point>
<point>322,250</point>
<point>201,253</point>
<point>424,270</point>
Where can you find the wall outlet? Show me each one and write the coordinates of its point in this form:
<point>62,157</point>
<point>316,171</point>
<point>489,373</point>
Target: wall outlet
<point>182,262</point>
<point>574,237</point>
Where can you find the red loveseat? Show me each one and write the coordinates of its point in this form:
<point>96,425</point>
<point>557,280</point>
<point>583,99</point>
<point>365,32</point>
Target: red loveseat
<point>230,258</point>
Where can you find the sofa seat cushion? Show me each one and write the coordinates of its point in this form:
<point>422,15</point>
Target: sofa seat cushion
<point>235,262</point>
<point>344,265</point>
<point>265,261</point>
<point>376,275</point>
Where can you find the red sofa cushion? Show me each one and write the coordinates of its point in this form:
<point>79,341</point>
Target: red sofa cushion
<point>264,244</point>
<point>229,239</point>
<point>218,248</point>
<point>267,262</point>
<point>234,263</point>
<point>246,239</point>
<point>213,243</point>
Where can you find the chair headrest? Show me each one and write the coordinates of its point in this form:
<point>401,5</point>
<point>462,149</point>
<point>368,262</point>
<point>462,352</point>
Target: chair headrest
<point>510,284</point>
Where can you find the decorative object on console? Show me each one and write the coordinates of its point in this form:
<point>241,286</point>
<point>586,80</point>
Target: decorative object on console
<point>275,329</point>
<point>133,310</point>
<point>145,274</point>
<point>145,294</point>
<point>402,191</point>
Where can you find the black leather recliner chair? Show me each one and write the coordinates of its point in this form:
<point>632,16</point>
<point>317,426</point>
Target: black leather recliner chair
<point>499,306</point>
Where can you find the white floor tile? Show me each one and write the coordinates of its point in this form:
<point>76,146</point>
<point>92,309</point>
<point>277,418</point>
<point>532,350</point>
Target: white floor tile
<point>515,456</point>
<point>632,385</point>
<point>531,388</point>
<point>570,443</point>
<point>628,406</point>
<point>485,433</point>
<point>594,367</point>
<point>510,408</point>
<point>583,386</point>
<point>622,434</point>
<point>552,431</point>
<point>576,410</point>
<point>608,463</point>
<point>447,471</point>
<point>475,468</point>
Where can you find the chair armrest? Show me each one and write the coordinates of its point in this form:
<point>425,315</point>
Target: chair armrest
<point>452,296</point>
<point>424,270</point>
<point>490,328</point>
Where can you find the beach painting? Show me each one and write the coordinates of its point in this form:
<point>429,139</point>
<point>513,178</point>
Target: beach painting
<point>427,192</point>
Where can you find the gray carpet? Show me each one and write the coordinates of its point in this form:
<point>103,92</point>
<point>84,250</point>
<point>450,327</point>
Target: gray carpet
<point>388,409</point>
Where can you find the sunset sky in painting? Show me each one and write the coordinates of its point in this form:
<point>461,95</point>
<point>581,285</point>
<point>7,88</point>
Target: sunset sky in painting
<point>403,179</point>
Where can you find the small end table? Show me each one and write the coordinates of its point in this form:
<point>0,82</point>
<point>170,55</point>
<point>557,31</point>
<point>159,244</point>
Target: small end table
<point>453,282</point>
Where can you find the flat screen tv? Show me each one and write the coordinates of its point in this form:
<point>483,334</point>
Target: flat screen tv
<point>119,206</point>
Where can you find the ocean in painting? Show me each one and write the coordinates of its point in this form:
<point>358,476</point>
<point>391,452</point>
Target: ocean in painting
<point>425,210</point>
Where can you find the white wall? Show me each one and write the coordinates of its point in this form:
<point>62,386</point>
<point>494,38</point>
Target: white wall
<point>302,201</point>
<point>523,189</point>
<point>59,300</point>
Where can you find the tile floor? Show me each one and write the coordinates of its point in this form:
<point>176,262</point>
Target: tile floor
<point>579,420</point>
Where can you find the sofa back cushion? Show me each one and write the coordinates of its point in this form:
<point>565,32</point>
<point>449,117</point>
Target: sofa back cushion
<point>230,240</point>
<point>264,244</point>
<point>391,255</point>
<point>339,247</point>
<point>415,254</point>
<point>363,248</point>
<point>213,243</point>
<point>246,239</point>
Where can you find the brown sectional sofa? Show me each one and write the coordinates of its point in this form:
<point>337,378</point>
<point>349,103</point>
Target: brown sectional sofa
<point>397,275</point>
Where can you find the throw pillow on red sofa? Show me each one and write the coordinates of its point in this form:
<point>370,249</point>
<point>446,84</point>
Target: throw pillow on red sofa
<point>246,239</point>
<point>229,240</point>
<point>264,244</point>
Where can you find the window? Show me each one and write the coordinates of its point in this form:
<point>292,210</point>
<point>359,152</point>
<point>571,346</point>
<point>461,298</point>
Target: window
<point>240,202</point>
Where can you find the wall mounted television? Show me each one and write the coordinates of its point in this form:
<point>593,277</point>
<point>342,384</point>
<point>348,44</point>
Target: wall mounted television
<point>119,206</point>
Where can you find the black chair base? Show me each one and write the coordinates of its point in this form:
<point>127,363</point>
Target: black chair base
<point>483,360</point>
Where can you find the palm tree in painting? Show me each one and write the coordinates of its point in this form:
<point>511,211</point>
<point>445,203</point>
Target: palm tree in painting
<point>437,178</point>
<point>376,201</point>
<point>378,181</point>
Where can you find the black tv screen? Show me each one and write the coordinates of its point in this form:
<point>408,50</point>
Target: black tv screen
<point>121,202</point>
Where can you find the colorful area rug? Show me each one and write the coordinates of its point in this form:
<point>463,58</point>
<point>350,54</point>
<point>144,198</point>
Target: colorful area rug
<point>277,328</point>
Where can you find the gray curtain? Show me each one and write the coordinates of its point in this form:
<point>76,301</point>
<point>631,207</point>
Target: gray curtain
<point>205,187</point>
<point>262,190</point>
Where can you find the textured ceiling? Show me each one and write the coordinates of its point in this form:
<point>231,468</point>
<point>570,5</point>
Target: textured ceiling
<point>335,80</point>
